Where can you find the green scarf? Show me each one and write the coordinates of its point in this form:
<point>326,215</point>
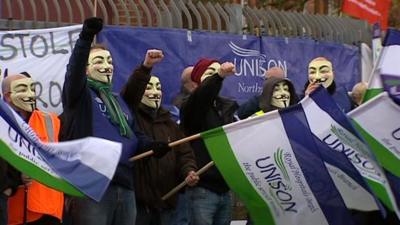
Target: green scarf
<point>113,109</point>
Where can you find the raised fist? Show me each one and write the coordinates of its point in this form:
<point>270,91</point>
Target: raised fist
<point>91,27</point>
<point>226,69</point>
<point>153,56</point>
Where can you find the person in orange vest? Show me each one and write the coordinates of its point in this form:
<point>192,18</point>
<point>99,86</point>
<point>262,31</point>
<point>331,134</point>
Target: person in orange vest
<point>34,203</point>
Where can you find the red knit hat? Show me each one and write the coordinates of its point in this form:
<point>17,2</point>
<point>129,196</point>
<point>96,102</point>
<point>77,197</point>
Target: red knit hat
<point>200,67</point>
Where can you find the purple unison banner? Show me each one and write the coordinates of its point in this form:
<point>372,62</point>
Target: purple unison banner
<point>251,55</point>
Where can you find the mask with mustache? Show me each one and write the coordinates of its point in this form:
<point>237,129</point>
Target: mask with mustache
<point>100,66</point>
<point>320,71</point>
<point>23,94</point>
<point>152,95</point>
<point>281,95</point>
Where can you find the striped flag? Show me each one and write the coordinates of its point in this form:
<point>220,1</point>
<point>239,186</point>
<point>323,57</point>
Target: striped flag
<point>80,167</point>
<point>386,75</point>
<point>378,122</point>
<point>275,164</point>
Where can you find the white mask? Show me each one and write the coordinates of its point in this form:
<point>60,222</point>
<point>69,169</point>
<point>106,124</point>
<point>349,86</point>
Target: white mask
<point>152,95</point>
<point>210,71</point>
<point>23,94</point>
<point>281,95</point>
<point>320,71</point>
<point>100,66</point>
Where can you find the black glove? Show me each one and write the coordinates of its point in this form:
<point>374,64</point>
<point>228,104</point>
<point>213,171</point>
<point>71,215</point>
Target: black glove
<point>91,27</point>
<point>160,148</point>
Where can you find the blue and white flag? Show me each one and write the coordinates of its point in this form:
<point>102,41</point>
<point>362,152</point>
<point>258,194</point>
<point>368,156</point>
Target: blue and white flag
<point>80,167</point>
<point>382,133</point>
<point>273,163</point>
<point>386,75</point>
<point>332,127</point>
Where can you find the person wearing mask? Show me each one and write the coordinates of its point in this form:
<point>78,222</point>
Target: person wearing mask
<point>43,205</point>
<point>90,108</point>
<point>155,176</point>
<point>203,110</point>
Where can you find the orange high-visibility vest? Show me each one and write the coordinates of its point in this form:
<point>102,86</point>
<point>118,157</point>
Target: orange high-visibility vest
<point>40,198</point>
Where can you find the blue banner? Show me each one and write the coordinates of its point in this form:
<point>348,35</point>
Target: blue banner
<point>252,56</point>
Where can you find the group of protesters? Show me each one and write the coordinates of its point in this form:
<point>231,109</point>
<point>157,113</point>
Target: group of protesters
<point>136,118</point>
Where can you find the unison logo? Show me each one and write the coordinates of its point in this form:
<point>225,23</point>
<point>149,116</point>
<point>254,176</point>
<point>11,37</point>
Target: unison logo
<point>276,175</point>
<point>251,62</point>
<point>342,141</point>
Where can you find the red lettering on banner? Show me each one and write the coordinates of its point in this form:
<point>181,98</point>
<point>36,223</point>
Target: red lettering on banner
<point>370,10</point>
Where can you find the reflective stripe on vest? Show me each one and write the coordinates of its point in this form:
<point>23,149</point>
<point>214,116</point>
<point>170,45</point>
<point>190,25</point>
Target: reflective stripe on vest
<point>48,122</point>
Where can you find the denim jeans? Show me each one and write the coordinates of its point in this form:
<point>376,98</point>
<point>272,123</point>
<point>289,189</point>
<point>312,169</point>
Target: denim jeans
<point>210,208</point>
<point>3,209</point>
<point>182,212</point>
<point>117,207</point>
<point>149,216</point>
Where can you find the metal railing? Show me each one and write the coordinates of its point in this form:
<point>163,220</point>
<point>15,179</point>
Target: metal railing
<point>183,14</point>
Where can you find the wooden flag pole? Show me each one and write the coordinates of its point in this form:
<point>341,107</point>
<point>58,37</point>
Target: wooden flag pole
<point>172,144</point>
<point>94,15</point>
<point>183,184</point>
<point>95,8</point>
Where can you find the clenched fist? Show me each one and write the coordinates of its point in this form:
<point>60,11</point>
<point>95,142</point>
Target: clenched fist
<point>226,69</point>
<point>153,56</point>
<point>91,27</point>
<point>192,178</point>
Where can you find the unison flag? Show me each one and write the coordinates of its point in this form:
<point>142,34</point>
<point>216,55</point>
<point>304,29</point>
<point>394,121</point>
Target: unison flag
<point>273,164</point>
<point>378,122</point>
<point>331,126</point>
<point>386,75</point>
<point>75,167</point>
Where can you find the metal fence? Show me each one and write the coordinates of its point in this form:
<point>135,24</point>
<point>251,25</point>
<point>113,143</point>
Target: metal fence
<point>183,14</point>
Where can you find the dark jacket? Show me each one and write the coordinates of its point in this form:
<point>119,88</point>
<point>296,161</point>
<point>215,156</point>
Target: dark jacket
<point>263,102</point>
<point>202,111</point>
<point>155,177</point>
<point>9,177</point>
<point>77,117</point>
<point>249,107</point>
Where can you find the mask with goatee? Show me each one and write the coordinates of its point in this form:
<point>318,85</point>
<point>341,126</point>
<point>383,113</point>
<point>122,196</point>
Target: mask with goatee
<point>100,66</point>
<point>281,95</point>
<point>152,95</point>
<point>23,94</point>
<point>320,71</point>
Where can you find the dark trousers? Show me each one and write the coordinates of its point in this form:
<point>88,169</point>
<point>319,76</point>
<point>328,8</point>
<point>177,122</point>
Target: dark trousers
<point>46,220</point>
<point>3,209</point>
<point>117,207</point>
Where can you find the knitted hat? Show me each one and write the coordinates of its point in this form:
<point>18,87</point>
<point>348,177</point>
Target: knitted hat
<point>200,67</point>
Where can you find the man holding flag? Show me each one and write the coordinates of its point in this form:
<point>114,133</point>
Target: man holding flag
<point>203,110</point>
<point>33,203</point>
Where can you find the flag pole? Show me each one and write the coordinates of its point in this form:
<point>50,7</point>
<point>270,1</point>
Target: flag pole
<point>95,8</point>
<point>183,184</point>
<point>94,15</point>
<point>172,144</point>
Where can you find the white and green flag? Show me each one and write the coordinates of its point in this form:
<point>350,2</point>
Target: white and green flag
<point>75,167</point>
<point>386,74</point>
<point>378,122</point>
<point>274,164</point>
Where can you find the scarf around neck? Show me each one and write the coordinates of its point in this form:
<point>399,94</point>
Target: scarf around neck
<point>114,111</point>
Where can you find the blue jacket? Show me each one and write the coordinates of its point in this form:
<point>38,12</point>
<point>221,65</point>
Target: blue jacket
<point>79,112</point>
